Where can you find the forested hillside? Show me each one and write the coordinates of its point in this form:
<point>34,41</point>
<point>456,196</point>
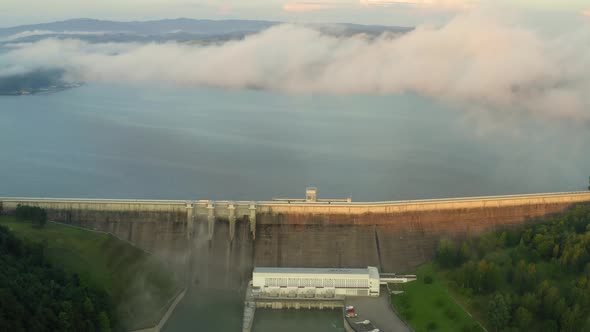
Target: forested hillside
<point>139,286</point>
<point>535,278</point>
<point>34,81</point>
<point>37,296</point>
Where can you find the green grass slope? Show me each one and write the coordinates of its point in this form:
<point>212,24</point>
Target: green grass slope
<point>430,307</point>
<point>139,286</point>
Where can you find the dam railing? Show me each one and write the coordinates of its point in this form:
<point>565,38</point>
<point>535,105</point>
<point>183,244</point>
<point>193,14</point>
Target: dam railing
<point>293,201</point>
<point>428,200</point>
<point>210,211</point>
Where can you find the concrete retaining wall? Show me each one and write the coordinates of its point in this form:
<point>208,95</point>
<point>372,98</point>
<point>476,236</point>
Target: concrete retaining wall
<point>229,238</point>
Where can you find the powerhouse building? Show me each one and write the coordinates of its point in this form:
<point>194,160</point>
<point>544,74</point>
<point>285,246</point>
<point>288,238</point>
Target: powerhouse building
<point>315,282</point>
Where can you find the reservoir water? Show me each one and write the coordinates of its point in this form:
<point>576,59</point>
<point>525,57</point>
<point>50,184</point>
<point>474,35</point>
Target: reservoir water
<point>166,142</point>
<point>116,141</point>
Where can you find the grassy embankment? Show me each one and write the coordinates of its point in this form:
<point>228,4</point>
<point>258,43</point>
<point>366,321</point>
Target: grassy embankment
<point>430,306</point>
<point>139,286</point>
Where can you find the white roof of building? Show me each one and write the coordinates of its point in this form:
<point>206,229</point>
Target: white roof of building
<point>303,270</point>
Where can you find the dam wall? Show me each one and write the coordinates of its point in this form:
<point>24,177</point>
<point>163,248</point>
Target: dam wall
<point>145,223</point>
<point>394,236</point>
<point>224,240</point>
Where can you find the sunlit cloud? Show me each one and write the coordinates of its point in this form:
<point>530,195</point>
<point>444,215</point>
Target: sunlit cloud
<point>225,9</point>
<point>586,12</point>
<point>301,7</point>
<point>473,61</point>
<point>457,5</point>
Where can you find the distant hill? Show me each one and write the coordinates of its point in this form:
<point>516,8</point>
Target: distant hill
<point>40,80</point>
<point>177,26</point>
<point>146,27</point>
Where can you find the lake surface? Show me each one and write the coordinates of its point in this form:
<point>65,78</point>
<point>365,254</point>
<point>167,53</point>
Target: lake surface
<point>180,143</point>
<point>165,142</point>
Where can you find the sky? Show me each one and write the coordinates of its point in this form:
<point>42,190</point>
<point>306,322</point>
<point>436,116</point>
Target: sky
<point>544,13</point>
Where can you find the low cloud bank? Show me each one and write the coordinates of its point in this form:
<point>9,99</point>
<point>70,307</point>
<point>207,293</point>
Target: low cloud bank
<point>472,61</point>
<point>37,33</point>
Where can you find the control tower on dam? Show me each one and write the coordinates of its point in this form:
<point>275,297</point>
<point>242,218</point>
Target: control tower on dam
<point>302,232</point>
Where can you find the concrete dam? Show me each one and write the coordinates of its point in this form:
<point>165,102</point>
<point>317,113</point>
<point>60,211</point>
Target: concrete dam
<point>222,241</point>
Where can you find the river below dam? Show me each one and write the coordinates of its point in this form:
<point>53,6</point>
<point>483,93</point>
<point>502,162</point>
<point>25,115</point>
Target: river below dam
<point>162,142</point>
<point>216,310</point>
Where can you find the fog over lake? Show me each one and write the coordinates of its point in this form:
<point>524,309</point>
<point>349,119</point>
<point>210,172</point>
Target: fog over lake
<point>153,141</point>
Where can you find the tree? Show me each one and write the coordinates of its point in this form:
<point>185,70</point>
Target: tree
<point>550,325</point>
<point>88,306</point>
<point>31,213</point>
<point>446,254</point>
<point>574,255</point>
<point>525,276</point>
<point>43,218</point>
<point>488,276</point>
<point>550,300</point>
<point>543,270</point>
<point>498,312</point>
<point>523,318</point>
<point>65,316</point>
<point>530,302</point>
<point>104,322</point>
<point>36,296</point>
<point>544,245</point>
<point>464,253</point>
<point>513,237</point>
<point>572,320</point>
